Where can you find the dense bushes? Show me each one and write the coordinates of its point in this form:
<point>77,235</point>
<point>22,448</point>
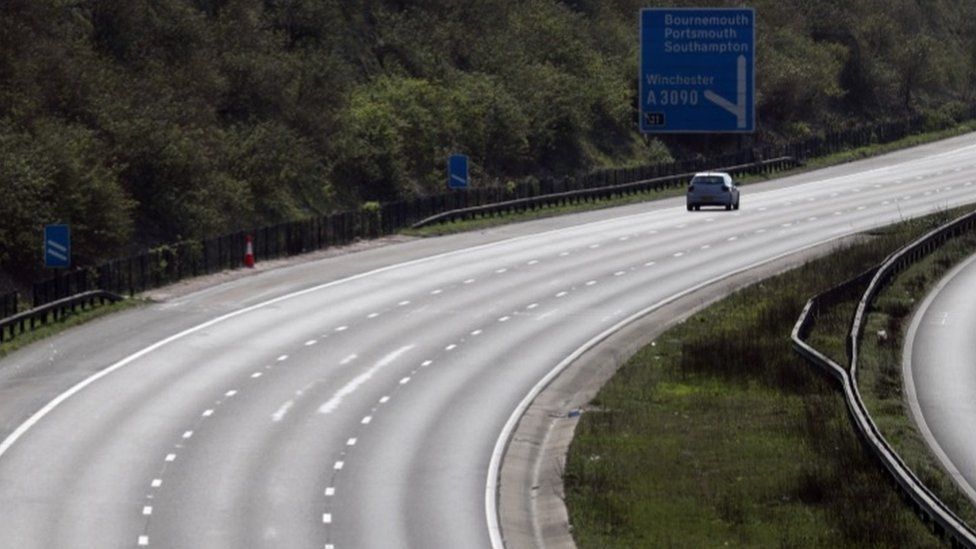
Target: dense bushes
<point>142,121</point>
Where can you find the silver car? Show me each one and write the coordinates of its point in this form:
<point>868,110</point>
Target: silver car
<point>712,189</point>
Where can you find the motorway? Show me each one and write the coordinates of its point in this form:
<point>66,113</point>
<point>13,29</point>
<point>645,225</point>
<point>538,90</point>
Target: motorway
<point>361,400</point>
<point>939,368</point>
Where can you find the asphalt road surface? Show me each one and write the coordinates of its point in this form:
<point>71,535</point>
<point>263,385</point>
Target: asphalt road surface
<point>358,401</point>
<point>940,373</point>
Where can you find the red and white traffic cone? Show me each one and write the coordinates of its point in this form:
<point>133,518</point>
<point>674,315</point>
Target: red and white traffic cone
<point>249,252</point>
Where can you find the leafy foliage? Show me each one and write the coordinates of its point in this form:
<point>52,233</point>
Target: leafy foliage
<point>145,121</point>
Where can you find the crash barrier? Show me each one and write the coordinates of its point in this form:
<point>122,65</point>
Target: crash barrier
<point>53,312</point>
<point>173,262</point>
<point>599,193</point>
<point>926,504</point>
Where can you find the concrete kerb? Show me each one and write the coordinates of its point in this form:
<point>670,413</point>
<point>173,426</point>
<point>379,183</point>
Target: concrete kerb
<point>532,511</point>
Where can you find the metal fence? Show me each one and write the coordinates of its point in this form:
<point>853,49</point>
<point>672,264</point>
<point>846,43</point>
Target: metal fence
<point>8,304</point>
<point>943,521</point>
<point>170,263</point>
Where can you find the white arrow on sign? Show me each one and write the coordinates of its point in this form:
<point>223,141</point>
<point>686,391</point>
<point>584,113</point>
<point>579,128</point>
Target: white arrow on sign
<point>739,107</point>
<point>458,178</point>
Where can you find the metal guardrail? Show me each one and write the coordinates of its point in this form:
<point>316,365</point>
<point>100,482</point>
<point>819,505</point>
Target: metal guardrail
<point>943,521</point>
<point>569,197</point>
<point>53,312</point>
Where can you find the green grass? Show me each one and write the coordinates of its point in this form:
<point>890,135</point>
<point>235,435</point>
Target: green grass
<point>719,434</point>
<point>880,368</point>
<point>541,212</point>
<point>68,321</point>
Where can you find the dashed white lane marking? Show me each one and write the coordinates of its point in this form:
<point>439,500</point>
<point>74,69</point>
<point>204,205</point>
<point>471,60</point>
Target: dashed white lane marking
<point>282,358</point>
<point>372,315</point>
<point>326,518</point>
<point>143,541</point>
<point>732,238</point>
<point>620,273</point>
<point>814,218</point>
<point>208,413</point>
<point>157,482</point>
<point>170,457</point>
<point>504,319</point>
<point>476,333</point>
<point>282,412</point>
<point>230,393</point>
<point>342,328</point>
<point>423,364</point>
<point>437,292</point>
<point>354,384</point>
<point>547,314</point>
<point>649,264</point>
<point>256,375</point>
<point>838,213</point>
<point>403,303</point>
<point>329,546</point>
<point>562,294</point>
<point>679,254</point>
<point>533,262</point>
<point>330,491</point>
<point>594,246</point>
<point>348,359</point>
<point>338,465</point>
<point>451,347</point>
<point>501,271</point>
<point>591,282</point>
<point>405,380</point>
<point>384,400</point>
<point>533,306</point>
<point>760,231</point>
<point>706,246</point>
<point>763,209</point>
<point>469,281</point>
<point>311,342</point>
<point>886,202</point>
<point>366,420</point>
<point>786,225</point>
<point>187,435</point>
<point>351,442</point>
<point>147,510</point>
<point>834,195</point>
<point>859,208</point>
<point>624,238</point>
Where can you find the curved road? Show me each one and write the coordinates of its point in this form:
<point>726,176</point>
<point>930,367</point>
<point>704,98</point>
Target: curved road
<point>358,401</point>
<point>940,373</point>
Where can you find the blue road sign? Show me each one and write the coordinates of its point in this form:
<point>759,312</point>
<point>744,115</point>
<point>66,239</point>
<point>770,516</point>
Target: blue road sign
<point>457,171</point>
<point>57,246</point>
<point>697,70</point>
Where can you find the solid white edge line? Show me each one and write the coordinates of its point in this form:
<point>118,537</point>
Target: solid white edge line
<point>909,380</point>
<point>22,429</point>
<point>494,465</point>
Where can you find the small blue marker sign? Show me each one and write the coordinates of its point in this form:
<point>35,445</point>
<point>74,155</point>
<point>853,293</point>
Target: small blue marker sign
<point>457,171</point>
<point>57,246</point>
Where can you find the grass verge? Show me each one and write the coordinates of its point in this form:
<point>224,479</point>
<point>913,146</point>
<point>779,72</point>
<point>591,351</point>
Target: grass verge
<point>70,320</point>
<point>880,368</point>
<point>541,212</point>
<point>718,434</point>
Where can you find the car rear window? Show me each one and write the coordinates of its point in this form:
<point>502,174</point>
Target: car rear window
<point>708,181</point>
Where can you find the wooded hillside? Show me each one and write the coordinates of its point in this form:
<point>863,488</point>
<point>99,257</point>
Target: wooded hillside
<point>146,121</point>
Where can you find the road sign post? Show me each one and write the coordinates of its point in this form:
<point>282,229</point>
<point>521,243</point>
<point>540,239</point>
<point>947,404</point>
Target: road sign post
<point>57,246</point>
<point>697,70</point>
<point>457,172</point>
